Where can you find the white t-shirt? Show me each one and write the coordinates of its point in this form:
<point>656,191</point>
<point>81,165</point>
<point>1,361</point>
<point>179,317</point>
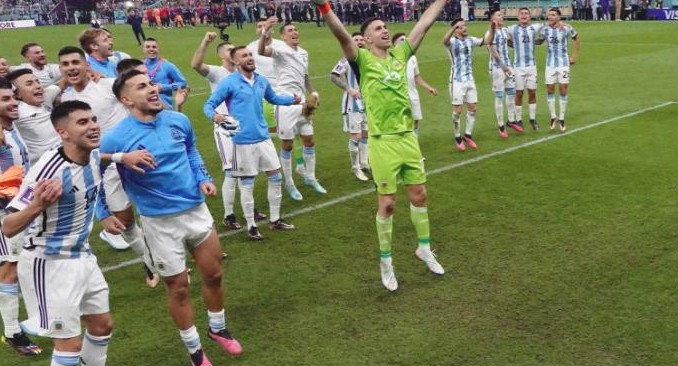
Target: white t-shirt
<point>264,64</point>
<point>291,66</point>
<point>412,71</point>
<point>35,126</point>
<point>49,75</point>
<point>119,56</point>
<point>105,106</point>
<point>213,77</point>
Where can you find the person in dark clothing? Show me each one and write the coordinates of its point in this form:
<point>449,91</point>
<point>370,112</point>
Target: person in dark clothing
<point>135,20</point>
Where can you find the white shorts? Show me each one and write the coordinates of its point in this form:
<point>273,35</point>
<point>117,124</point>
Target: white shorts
<point>416,109</point>
<point>291,123</point>
<point>224,147</point>
<point>116,198</point>
<point>463,92</point>
<point>355,122</point>
<point>560,75</point>
<point>168,236</point>
<point>500,81</point>
<point>526,77</point>
<point>10,248</point>
<point>57,292</point>
<point>252,159</point>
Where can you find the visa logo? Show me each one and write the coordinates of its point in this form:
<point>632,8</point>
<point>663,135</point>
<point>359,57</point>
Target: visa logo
<point>671,14</point>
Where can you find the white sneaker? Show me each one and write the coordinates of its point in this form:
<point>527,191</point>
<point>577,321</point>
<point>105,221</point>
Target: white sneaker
<point>388,277</point>
<point>429,258</point>
<point>359,174</point>
<point>115,241</point>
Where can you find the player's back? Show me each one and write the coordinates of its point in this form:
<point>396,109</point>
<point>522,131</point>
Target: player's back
<point>63,228</point>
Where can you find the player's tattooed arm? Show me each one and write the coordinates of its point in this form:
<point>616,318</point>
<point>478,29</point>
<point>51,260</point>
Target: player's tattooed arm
<point>427,19</point>
<point>339,81</point>
<point>489,36</point>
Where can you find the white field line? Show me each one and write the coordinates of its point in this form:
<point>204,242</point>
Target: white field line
<point>442,169</point>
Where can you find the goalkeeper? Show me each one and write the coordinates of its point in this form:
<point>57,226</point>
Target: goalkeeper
<point>242,91</point>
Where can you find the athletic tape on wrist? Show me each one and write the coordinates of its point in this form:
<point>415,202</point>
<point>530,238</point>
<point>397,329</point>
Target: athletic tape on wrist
<point>117,157</point>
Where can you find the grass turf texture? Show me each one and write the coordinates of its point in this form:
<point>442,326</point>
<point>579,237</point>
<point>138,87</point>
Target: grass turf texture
<point>557,254</point>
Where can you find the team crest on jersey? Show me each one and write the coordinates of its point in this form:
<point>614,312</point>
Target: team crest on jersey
<point>177,134</point>
<point>397,65</point>
<point>58,325</point>
<point>27,196</point>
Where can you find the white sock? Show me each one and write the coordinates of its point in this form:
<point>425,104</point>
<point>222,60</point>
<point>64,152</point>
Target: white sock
<point>309,161</point>
<point>456,124</point>
<point>94,350</point>
<point>191,339</point>
<point>362,147</point>
<point>274,196</point>
<point>533,111</point>
<point>286,163</point>
<point>470,122</point>
<point>247,199</point>
<point>499,108</point>
<point>228,192</point>
<point>511,105</point>
<point>388,260</point>
<point>353,151</point>
<point>519,112</point>
<point>60,358</point>
<point>135,238</point>
<point>9,308</point>
<point>563,106</point>
<point>551,102</point>
<point>217,321</point>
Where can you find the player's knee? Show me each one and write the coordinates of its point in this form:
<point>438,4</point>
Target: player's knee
<point>308,142</point>
<point>102,327</point>
<point>247,181</point>
<point>73,344</point>
<point>213,278</point>
<point>8,273</point>
<point>275,177</point>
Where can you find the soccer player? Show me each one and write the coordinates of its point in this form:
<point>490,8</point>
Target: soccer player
<point>36,61</point>
<point>291,63</point>
<point>393,146</point>
<point>99,47</point>
<point>522,38</point>
<point>60,280</point>
<point>462,84</point>
<point>558,63</point>
<point>171,205</point>
<point>109,111</point>
<point>162,72</point>
<point>12,154</point>
<point>413,79</point>
<point>353,111</point>
<point>254,152</point>
<point>501,75</point>
<point>35,106</point>
<point>4,67</point>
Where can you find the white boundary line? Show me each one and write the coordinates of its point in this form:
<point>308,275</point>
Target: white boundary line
<point>442,169</point>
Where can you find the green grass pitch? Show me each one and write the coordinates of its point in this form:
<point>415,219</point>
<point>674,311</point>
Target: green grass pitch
<point>558,253</point>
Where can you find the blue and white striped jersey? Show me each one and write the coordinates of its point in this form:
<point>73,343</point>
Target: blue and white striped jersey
<point>348,104</point>
<point>501,42</point>
<point>556,40</point>
<point>523,39</point>
<point>13,152</point>
<point>63,228</point>
<point>461,53</point>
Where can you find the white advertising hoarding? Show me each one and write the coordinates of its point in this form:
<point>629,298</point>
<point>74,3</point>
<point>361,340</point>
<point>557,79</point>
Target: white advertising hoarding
<point>17,24</point>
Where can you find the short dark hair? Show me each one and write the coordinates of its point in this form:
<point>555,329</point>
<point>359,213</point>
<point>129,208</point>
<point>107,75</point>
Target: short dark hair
<point>454,22</point>
<point>120,81</point>
<point>64,109</point>
<point>17,74</point>
<point>396,36</point>
<point>356,34</point>
<point>524,8</point>
<point>127,64</point>
<point>26,47</point>
<point>222,44</point>
<point>151,39</point>
<point>556,10</point>
<point>282,27</point>
<point>367,23</point>
<point>71,49</point>
<point>236,49</point>
<point>5,84</point>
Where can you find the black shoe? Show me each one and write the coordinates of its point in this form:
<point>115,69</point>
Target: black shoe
<point>231,223</point>
<point>562,126</point>
<point>197,358</point>
<point>553,123</point>
<point>258,216</point>
<point>280,225</point>
<point>520,123</point>
<point>254,234</point>
<point>534,124</point>
<point>22,344</point>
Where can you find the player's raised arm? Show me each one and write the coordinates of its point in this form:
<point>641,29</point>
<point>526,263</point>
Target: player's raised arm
<point>427,19</point>
<point>489,36</point>
<point>265,38</point>
<point>337,28</point>
<point>448,35</point>
<point>575,50</point>
<point>198,60</point>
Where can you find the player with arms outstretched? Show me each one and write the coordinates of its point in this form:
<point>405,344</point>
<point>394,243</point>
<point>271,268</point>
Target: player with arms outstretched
<point>393,146</point>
